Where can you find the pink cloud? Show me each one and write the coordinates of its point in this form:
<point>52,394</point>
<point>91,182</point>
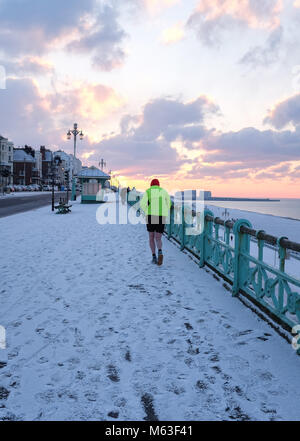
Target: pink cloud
<point>256,14</point>
<point>30,65</point>
<point>156,6</point>
<point>29,116</point>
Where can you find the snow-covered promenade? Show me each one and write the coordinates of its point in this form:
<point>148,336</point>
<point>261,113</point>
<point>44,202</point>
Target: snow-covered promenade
<point>95,332</point>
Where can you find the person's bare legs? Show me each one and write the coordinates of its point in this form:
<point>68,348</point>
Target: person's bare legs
<point>159,246</point>
<point>158,240</point>
<point>152,242</point>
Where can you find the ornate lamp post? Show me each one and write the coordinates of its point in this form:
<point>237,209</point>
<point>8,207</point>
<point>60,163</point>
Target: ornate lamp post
<point>75,133</point>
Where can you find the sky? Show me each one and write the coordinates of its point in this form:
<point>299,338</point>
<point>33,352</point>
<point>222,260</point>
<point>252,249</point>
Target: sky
<point>202,94</point>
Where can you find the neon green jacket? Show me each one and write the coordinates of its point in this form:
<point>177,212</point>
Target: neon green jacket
<point>156,201</point>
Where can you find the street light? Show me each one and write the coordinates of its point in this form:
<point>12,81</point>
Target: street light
<point>75,132</point>
<point>54,164</point>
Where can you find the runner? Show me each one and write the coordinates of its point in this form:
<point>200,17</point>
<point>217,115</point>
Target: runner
<point>156,204</point>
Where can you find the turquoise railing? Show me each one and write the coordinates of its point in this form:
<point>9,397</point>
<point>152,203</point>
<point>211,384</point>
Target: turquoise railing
<point>224,246</point>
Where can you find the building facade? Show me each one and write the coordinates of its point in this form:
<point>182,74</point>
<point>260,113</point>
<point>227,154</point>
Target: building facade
<point>6,162</point>
<point>38,169</point>
<point>26,166</point>
<point>69,165</point>
<point>64,169</point>
<point>23,166</point>
<point>47,157</point>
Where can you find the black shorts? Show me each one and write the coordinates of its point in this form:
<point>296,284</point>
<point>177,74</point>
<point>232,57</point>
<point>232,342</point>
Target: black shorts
<point>156,224</point>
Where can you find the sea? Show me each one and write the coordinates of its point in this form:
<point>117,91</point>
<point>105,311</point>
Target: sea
<point>288,208</point>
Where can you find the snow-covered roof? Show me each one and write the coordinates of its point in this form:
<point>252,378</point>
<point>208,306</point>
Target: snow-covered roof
<point>22,156</point>
<point>92,172</point>
<point>63,155</point>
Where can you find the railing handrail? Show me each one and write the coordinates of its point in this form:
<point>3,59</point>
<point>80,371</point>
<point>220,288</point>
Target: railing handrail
<point>284,242</point>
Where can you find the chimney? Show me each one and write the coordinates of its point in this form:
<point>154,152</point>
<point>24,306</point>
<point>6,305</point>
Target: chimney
<point>43,152</point>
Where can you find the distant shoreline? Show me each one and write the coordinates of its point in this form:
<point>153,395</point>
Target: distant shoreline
<point>240,199</point>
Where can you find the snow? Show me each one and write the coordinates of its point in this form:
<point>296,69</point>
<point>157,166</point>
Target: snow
<point>27,193</point>
<point>274,225</point>
<point>93,328</point>
<point>22,194</point>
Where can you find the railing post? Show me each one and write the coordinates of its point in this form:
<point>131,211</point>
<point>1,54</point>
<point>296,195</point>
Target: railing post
<point>182,239</point>
<point>282,257</point>
<point>171,221</point>
<point>205,234</point>
<point>261,244</point>
<point>216,256</point>
<point>282,254</point>
<point>227,241</point>
<point>217,227</point>
<point>241,245</point>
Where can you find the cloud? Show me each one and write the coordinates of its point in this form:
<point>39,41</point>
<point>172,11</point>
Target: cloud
<point>173,34</point>
<point>265,55</point>
<point>253,147</point>
<point>162,116</point>
<point>87,102</point>
<point>248,154</point>
<point>102,39</point>
<point>145,145</point>
<point>213,16</point>
<point>169,138</point>
<point>28,116</point>
<point>24,112</point>
<point>34,27</point>
<point>135,157</point>
<point>285,112</point>
<point>156,6</point>
<point>28,66</point>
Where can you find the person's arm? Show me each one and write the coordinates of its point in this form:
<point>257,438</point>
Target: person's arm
<point>168,200</point>
<point>144,202</point>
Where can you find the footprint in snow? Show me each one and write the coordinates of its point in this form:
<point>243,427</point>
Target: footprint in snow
<point>113,374</point>
<point>4,393</point>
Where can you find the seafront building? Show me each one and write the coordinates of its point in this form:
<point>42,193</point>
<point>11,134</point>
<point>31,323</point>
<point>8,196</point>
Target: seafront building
<point>6,162</point>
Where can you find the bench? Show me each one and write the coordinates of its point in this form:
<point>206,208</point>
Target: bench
<point>63,208</point>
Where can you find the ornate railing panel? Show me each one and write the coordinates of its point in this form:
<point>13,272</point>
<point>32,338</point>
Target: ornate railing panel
<point>225,247</point>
